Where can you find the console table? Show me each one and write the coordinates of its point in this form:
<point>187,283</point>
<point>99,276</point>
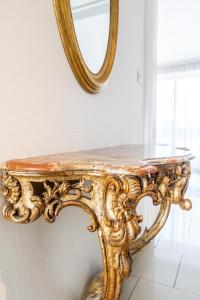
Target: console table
<point>108,184</point>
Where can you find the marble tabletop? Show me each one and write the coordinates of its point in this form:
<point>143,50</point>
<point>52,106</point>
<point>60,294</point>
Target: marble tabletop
<point>125,159</point>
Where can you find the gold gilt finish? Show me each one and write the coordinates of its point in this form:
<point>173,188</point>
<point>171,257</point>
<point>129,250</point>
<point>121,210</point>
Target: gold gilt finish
<point>111,202</point>
<point>92,83</point>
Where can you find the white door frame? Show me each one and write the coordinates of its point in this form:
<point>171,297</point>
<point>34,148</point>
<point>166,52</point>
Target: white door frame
<point>151,15</point>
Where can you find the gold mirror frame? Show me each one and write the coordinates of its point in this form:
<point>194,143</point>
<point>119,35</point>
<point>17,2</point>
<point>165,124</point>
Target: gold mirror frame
<point>92,83</point>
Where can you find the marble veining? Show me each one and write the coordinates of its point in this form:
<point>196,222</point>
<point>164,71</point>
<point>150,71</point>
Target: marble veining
<point>135,159</point>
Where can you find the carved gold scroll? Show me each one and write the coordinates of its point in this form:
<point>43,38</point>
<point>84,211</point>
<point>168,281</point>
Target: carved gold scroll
<point>111,202</point>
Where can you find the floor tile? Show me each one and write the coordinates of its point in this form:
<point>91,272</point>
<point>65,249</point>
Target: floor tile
<point>157,265</point>
<point>188,278</point>
<point>191,256</point>
<point>128,287</point>
<point>146,290</point>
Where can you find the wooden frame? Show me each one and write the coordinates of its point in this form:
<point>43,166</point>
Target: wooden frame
<point>92,83</point>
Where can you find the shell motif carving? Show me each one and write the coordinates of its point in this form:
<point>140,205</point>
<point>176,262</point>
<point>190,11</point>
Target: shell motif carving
<point>120,209</point>
<point>20,207</point>
<point>122,219</point>
<point>11,189</point>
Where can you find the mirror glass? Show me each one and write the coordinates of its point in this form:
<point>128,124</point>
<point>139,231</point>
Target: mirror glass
<point>92,22</point>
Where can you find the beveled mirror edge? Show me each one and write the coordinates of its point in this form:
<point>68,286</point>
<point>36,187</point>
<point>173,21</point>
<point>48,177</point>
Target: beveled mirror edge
<point>90,82</point>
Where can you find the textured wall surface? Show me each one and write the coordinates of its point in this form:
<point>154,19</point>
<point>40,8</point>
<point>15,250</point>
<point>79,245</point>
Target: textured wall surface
<point>43,111</point>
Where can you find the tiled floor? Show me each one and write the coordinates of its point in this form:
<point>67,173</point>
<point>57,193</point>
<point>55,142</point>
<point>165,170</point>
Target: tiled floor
<point>169,268</point>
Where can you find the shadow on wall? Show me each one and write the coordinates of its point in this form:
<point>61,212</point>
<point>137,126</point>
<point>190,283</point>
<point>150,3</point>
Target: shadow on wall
<point>47,261</point>
<point>3,291</point>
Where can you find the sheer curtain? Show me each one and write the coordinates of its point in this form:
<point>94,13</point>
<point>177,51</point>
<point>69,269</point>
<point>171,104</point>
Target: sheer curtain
<point>178,78</point>
<point>178,111</point>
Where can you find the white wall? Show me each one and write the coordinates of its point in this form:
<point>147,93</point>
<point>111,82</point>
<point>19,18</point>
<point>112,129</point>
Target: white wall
<point>44,110</point>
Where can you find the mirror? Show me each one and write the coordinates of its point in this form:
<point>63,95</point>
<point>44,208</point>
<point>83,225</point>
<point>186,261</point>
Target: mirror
<point>92,22</point>
<point>88,29</point>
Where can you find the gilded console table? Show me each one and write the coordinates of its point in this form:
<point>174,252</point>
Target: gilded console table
<point>108,184</point>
